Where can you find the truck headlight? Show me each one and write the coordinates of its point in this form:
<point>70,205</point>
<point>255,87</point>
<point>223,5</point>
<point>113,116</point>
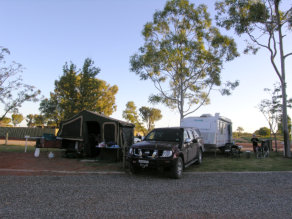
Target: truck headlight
<point>154,154</point>
<point>166,153</point>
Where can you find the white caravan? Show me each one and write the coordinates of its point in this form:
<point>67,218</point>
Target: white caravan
<point>215,130</point>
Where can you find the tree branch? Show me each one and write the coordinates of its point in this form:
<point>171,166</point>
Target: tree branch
<point>289,54</point>
<point>202,103</point>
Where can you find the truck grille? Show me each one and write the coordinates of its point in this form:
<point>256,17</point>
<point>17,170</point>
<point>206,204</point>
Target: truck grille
<point>147,153</point>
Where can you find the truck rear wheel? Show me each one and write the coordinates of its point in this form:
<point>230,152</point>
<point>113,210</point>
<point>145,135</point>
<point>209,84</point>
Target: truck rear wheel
<point>200,156</point>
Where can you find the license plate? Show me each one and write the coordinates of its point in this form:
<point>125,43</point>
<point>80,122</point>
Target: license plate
<point>144,161</point>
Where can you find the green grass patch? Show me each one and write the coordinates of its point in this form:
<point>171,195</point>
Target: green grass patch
<point>18,148</point>
<point>15,148</point>
<point>222,163</point>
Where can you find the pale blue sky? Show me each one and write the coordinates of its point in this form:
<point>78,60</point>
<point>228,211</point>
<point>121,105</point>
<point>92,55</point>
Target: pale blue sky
<point>42,35</point>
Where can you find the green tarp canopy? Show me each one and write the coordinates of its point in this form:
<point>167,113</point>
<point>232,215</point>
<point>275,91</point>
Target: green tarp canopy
<point>86,129</point>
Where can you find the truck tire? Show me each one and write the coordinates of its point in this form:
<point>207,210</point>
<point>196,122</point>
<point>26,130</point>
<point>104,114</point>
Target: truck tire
<point>200,156</point>
<point>177,169</point>
<point>133,169</point>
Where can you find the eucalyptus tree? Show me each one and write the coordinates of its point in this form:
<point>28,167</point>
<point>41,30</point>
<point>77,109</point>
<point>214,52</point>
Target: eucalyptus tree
<point>30,120</point>
<point>5,122</point>
<point>239,130</point>
<point>271,109</point>
<point>266,25</point>
<point>150,116</point>
<point>131,115</point>
<point>16,119</point>
<point>51,110</point>
<point>77,90</point>
<point>183,55</point>
<point>13,92</point>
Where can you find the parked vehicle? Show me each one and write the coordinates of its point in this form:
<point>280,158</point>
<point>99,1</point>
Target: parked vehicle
<point>216,130</point>
<point>169,148</point>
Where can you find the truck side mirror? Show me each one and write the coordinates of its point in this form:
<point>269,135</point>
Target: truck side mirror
<point>188,140</point>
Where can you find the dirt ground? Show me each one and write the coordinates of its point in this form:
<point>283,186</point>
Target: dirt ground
<point>25,163</point>
<point>21,163</point>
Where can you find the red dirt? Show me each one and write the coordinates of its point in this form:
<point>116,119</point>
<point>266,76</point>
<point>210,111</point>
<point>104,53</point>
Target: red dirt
<point>21,163</point>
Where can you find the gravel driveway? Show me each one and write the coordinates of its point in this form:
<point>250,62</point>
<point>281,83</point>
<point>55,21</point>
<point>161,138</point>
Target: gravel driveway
<point>196,195</point>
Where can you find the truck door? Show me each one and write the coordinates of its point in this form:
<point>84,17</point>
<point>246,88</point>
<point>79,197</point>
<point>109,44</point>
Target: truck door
<point>193,146</point>
<point>186,147</point>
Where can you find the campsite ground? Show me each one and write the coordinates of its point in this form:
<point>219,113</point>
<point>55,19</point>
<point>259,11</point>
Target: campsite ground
<point>71,188</point>
<point>14,161</point>
<point>20,163</point>
<point>196,195</point>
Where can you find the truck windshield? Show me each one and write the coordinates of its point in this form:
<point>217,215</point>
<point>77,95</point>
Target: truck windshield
<point>173,135</point>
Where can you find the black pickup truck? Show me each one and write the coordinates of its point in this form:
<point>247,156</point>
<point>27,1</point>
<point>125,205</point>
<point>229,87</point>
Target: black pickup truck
<point>170,148</point>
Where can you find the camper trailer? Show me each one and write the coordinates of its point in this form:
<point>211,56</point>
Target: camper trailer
<point>86,130</point>
<point>215,130</point>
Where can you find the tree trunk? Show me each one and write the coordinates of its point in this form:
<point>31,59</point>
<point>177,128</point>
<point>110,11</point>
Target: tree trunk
<point>287,152</point>
<point>275,140</point>
<point>181,102</point>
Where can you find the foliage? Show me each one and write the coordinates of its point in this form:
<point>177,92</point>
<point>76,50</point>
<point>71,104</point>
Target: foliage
<point>238,132</point>
<point>79,90</point>
<point>131,115</point>
<point>239,129</point>
<point>264,131</point>
<point>183,55</point>
<point>51,110</point>
<point>13,92</point>
<point>29,120</point>
<point>264,23</point>
<point>272,110</point>
<point>5,121</point>
<point>17,119</point>
<point>39,120</point>
<point>149,116</point>
<point>34,120</point>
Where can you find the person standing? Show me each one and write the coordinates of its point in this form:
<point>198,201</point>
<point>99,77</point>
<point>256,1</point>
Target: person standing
<point>254,141</point>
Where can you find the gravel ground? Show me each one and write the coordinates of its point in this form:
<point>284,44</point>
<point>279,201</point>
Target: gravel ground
<point>148,195</point>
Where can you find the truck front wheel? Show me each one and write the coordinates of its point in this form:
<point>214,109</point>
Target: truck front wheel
<point>133,169</point>
<point>177,169</point>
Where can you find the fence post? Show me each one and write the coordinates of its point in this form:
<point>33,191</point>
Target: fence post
<point>26,137</point>
<point>6,139</point>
